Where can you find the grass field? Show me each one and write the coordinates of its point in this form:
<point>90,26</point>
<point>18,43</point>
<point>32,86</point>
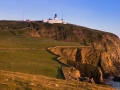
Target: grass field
<point>7,40</point>
<point>38,61</point>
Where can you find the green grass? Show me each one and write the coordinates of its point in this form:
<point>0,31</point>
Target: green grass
<point>30,61</point>
<point>11,41</point>
<point>34,62</point>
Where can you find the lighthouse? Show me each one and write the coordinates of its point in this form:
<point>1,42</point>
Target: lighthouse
<point>55,17</point>
<point>55,20</point>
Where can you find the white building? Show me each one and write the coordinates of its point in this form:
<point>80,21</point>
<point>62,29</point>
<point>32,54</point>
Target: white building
<point>55,20</point>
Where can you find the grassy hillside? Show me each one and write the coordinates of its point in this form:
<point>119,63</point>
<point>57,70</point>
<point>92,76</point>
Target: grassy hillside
<point>29,55</point>
<point>20,81</point>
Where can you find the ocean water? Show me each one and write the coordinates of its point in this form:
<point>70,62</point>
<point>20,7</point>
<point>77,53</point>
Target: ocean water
<point>113,84</point>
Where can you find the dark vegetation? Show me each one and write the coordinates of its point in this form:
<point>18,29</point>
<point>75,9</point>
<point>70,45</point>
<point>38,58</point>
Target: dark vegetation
<point>61,30</point>
<point>13,25</point>
<point>70,32</point>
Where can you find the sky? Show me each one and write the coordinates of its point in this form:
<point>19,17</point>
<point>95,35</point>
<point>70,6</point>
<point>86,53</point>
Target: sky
<point>102,15</point>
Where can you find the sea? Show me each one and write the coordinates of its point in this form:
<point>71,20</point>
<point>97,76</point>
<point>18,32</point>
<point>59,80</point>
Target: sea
<point>109,81</point>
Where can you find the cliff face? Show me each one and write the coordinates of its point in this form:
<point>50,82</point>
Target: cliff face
<point>99,40</point>
<point>87,57</point>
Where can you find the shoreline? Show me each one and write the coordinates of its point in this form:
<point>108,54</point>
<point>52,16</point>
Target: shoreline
<point>109,81</point>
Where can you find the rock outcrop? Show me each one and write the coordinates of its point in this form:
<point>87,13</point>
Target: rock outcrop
<point>70,73</point>
<point>87,55</point>
<point>116,78</point>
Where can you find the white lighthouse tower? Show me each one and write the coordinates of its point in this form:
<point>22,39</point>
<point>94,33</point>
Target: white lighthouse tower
<point>55,20</point>
<point>55,17</point>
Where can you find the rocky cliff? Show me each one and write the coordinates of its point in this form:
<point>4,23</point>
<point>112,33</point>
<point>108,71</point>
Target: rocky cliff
<point>99,40</point>
<point>92,63</point>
